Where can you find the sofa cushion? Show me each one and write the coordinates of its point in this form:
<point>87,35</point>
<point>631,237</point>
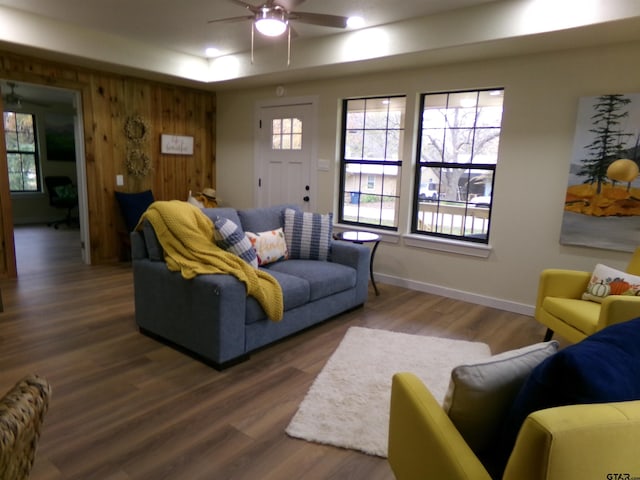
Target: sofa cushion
<point>225,212</point>
<point>154,249</point>
<point>295,292</point>
<point>231,238</point>
<point>325,278</point>
<point>481,394</point>
<point>604,367</point>
<point>263,219</point>
<point>308,235</point>
<point>270,246</point>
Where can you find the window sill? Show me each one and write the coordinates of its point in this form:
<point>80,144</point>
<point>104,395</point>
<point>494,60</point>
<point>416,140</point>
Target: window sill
<point>446,245</point>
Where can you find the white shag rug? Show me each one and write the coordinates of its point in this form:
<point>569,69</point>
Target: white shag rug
<point>348,403</point>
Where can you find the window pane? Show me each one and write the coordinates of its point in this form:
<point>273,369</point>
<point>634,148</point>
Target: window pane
<point>373,133</point>
<point>375,144</point>
<point>486,145</point>
<point>353,148</point>
<point>296,140</point>
<point>286,134</point>
<point>11,139</point>
<point>390,181</point>
<point>22,162</point>
<point>454,199</point>
<point>393,145</point>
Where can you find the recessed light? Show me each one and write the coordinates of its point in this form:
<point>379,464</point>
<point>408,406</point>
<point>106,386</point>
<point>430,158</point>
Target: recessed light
<point>355,22</point>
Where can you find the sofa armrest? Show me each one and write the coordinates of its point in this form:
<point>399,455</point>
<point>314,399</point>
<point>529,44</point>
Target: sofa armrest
<point>205,314</point>
<point>354,255</point>
<point>423,442</point>
<point>357,256</point>
<point>589,441</point>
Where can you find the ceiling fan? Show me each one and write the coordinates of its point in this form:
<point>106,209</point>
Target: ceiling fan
<point>272,19</point>
<point>15,101</point>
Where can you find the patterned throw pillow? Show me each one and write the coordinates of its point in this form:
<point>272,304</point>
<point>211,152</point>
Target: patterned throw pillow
<point>308,235</point>
<point>231,238</point>
<point>270,246</point>
<point>607,281</point>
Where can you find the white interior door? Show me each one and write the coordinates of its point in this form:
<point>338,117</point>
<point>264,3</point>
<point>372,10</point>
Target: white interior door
<point>285,153</point>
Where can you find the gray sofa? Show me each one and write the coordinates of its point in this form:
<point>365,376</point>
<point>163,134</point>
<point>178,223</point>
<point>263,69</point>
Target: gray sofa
<point>211,316</point>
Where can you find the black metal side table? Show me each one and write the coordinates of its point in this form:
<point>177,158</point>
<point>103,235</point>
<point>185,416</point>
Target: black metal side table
<point>361,238</point>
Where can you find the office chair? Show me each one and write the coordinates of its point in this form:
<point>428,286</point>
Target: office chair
<point>62,194</point>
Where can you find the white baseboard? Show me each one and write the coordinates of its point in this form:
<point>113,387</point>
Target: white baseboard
<point>498,303</point>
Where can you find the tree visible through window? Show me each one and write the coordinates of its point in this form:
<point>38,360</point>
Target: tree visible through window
<point>22,152</point>
<point>457,157</point>
<point>372,141</point>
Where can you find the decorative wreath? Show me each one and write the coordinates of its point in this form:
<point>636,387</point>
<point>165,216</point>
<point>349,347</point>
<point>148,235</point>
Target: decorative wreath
<point>136,129</point>
<point>138,163</point>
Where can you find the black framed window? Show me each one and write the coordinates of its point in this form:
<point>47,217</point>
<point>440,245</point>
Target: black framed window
<point>372,142</point>
<point>459,136</point>
<point>22,152</point>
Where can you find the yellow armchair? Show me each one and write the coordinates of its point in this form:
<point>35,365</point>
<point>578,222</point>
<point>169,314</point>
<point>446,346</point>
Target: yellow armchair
<point>574,442</point>
<point>559,304</point>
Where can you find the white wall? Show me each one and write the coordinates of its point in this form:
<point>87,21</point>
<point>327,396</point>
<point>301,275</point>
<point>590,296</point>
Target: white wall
<point>541,99</point>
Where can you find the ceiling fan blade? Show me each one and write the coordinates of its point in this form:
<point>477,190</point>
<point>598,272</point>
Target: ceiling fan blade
<point>232,19</point>
<point>321,19</point>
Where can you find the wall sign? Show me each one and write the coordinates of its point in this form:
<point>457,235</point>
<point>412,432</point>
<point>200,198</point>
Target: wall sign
<point>176,144</point>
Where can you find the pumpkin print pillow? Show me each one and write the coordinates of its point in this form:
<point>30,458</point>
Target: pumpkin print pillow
<point>607,281</point>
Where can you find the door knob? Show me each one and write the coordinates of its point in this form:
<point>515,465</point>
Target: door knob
<point>305,198</point>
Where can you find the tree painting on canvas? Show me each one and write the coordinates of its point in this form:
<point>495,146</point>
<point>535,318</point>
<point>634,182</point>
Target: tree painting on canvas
<point>602,203</point>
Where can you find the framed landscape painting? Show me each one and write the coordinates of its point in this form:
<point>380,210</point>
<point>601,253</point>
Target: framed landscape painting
<point>602,202</point>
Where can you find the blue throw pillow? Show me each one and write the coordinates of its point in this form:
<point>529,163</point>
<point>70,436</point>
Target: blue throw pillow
<point>133,205</point>
<point>308,235</point>
<point>604,367</point>
<point>231,238</point>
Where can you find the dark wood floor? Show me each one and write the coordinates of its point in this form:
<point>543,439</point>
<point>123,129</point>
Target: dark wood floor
<point>127,407</point>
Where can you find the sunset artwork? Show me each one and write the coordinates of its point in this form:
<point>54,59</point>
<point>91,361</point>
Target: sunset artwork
<point>602,202</point>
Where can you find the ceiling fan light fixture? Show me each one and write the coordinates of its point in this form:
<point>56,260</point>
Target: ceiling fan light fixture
<point>270,22</point>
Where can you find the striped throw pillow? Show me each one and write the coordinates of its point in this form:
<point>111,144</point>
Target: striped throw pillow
<point>231,238</point>
<point>308,235</point>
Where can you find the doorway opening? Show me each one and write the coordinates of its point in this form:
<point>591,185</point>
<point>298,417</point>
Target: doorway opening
<point>57,145</point>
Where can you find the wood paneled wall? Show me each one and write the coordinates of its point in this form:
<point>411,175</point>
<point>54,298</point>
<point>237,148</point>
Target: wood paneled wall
<point>108,100</point>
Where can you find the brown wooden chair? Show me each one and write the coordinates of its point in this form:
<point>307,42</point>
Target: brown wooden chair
<point>22,411</point>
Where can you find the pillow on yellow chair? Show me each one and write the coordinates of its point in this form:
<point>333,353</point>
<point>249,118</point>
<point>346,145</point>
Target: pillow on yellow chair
<point>480,395</point>
<point>607,281</point>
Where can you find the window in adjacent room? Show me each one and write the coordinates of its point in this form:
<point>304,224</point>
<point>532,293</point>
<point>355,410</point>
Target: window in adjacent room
<point>372,139</point>
<point>459,134</point>
<point>22,152</point>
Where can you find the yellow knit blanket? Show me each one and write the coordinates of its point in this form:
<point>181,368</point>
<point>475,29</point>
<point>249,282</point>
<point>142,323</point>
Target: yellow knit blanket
<point>186,235</point>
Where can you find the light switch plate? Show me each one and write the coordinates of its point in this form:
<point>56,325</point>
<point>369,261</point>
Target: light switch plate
<point>323,164</point>
<point>119,180</point>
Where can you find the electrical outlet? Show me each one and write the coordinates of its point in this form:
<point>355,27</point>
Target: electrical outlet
<point>119,180</point>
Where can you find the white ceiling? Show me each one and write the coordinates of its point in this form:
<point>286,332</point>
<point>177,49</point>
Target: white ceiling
<point>183,25</point>
<point>166,39</point>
